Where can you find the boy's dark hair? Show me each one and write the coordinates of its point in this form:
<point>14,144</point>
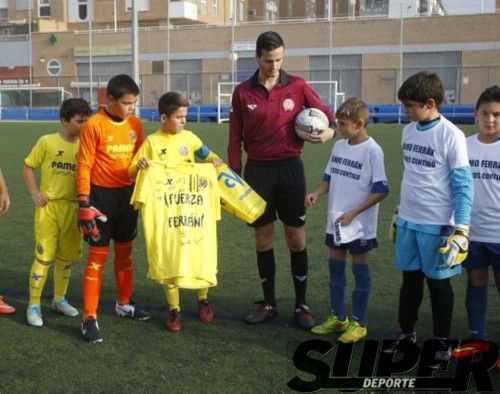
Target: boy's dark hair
<point>171,102</point>
<point>421,87</point>
<point>353,109</point>
<point>120,85</point>
<point>74,106</point>
<point>489,95</point>
<point>268,41</point>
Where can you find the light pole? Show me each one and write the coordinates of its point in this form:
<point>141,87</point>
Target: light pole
<point>91,77</point>
<point>233,56</point>
<point>30,36</point>
<point>135,47</point>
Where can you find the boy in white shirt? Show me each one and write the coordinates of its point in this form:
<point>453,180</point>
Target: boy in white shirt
<point>484,249</point>
<point>432,224</point>
<point>354,170</point>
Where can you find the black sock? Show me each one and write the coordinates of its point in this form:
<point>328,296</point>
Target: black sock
<point>410,298</point>
<point>442,305</point>
<point>298,262</point>
<point>267,271</point>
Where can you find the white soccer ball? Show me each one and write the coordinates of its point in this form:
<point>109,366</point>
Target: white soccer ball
<point>310,121</point>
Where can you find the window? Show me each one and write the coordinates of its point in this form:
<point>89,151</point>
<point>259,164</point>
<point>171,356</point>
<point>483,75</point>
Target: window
<point>142,5</point>
<point>376,7</point>
<point>82,9</point>
<point>203,7</point>
<point>424,6</point>
<point>44,8</point>
<point>215,11</point>
<point>157,66</point>
<point>23,4</point>
<point>310,9</point>
<point>345,69</point>
<point>4,9</point>
<point>271,10</point>
<point>241,11</point>
<point>185,78</point>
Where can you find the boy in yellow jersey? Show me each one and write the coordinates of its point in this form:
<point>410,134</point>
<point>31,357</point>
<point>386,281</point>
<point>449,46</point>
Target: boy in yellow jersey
<point>174,145</point>
<point>4,207</point>
<point>56,235</point>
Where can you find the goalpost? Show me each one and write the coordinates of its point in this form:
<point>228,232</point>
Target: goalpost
<point>327,90</point>
<point>32,96</point>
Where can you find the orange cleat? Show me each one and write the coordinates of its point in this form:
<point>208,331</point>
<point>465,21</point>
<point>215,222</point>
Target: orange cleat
<point>6,308</point>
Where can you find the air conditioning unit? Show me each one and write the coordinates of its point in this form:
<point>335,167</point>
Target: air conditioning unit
<point>252,12</point>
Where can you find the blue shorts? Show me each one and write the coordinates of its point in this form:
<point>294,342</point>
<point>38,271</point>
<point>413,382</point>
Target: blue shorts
<point>482,255</point>
<point>358,246</point>
<point>416,250</point>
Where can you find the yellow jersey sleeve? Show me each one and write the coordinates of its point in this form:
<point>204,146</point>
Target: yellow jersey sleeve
<point>56,159</point>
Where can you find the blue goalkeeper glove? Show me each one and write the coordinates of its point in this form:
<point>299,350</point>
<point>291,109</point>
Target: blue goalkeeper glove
<point>86,218</point>
<point>457,245</point>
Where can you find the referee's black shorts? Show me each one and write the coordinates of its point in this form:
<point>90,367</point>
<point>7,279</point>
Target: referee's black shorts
<point>121,225</point>
<point>282,184</point>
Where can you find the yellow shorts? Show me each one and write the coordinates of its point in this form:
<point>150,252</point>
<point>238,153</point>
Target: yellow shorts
<point>56,231</point>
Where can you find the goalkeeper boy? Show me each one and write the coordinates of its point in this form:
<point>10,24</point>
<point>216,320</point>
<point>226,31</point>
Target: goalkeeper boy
<point>108,141</point>
<point>173,144</point>
<point>56,236</point>
<point>432,224</point>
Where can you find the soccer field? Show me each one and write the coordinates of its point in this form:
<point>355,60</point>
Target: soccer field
<point>226,356</point>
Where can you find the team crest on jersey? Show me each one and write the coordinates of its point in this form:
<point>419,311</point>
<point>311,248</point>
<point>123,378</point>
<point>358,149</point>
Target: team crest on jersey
<point>251,107</point>
<point>40,249</point>
<point>202,182</point>
<point>183,150</point>
<point>132,136</point>
<point>288,104</point>
<point>109,138</point>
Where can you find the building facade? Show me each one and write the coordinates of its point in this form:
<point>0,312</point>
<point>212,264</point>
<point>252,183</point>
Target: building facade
<point>366,56</point>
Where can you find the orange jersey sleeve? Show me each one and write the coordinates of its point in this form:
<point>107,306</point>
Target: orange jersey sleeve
<point>106,149</point>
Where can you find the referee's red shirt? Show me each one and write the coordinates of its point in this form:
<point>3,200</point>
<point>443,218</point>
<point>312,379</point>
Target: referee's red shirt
<point>263,121</point>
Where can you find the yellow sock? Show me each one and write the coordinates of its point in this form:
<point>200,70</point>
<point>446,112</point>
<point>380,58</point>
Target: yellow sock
<point>172,294</point>
<point>38,276</point>
<point>62,273</point>
<point>203,294</point>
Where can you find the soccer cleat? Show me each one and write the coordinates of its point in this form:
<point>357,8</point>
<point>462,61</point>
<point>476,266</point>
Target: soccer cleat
<point>441,355</point>
<point>34,315</point>
<point>353,333</point>
<point>131,310</point>
<point>331,324</point>
<point>397,337</point>
<point>304,317</point>
<point>174,321</point>
<point>263,312</point>
<point>205,311</point>
<point>6,308</point>
<point>90,330</point>
<point>64,308</point>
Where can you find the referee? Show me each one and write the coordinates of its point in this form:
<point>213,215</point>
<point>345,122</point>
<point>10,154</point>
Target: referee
<point>262,118</point>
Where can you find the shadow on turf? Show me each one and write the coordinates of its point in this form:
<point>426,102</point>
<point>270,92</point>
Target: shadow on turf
<point>160,313</point>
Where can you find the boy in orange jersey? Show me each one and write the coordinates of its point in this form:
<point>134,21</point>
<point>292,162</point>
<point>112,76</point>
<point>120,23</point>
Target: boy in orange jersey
<point>108,141</point>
